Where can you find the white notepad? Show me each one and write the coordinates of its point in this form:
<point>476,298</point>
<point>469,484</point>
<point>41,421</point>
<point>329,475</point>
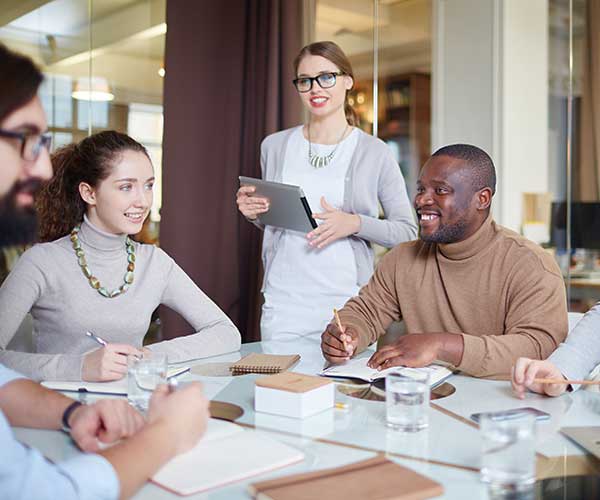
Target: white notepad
<point>118,387</point>
<point>226,453</point>
<point>357,368</point>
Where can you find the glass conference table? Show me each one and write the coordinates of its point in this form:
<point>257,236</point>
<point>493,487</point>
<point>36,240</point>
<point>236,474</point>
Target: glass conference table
<point>448,451</point>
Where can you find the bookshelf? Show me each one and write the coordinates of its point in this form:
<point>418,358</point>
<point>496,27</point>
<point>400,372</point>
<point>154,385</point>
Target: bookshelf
<point>404,118</point>
<point>405,121</point>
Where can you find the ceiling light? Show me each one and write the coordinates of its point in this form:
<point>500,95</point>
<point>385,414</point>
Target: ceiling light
<point>92,89</point>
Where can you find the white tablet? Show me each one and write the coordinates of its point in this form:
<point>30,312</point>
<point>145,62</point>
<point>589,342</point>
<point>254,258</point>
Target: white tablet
<point>288,207</point>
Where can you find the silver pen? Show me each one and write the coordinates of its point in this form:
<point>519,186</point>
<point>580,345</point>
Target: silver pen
<point>100,340</point>
<point>172,384</point>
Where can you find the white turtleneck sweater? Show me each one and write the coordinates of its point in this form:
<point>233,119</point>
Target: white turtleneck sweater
<point>48,282</point>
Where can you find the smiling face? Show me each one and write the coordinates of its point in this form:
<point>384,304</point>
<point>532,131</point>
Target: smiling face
<point>448,208</point>
<point>121,202</point>
<point>323,102</point>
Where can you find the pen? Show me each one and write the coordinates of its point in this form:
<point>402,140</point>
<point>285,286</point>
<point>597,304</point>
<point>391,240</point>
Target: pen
<point>172,385</point>
<point>100,340</point>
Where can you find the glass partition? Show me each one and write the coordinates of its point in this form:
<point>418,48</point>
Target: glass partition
<point>390,44</point>
<point>103,63</point>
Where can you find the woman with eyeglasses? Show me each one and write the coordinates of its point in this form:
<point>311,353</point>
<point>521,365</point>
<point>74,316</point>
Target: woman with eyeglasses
<point>89,276</point>
<point>346,175</point>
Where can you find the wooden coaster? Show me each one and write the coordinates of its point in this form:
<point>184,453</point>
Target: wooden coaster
<point>376,391</point>
<point>225,411</point>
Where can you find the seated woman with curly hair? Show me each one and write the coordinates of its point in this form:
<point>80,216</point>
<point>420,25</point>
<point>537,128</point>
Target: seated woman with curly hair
<point>88,275</point>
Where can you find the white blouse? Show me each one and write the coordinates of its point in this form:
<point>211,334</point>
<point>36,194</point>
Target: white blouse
<point>306,283</point>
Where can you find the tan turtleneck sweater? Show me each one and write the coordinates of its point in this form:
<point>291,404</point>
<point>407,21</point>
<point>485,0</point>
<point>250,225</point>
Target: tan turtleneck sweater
<point>502,292</point>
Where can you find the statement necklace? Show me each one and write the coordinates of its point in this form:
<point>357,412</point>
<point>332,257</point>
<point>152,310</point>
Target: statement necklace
<point>319,161</point>
<point>93,281</point>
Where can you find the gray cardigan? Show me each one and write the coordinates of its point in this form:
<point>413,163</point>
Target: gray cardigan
<point>579,354</point>
<point>373,178</point>
<point>48,282</point>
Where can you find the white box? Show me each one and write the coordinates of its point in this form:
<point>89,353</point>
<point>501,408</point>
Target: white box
<point>319,425</point>
<point>293,395</point>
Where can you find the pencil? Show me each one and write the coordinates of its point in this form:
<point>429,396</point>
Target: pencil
<point>565,381</point>
<point>341,328</point>
<point>338,320</point>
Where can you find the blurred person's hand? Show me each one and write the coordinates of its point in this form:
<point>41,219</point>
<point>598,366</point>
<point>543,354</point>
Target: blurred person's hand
<point>107,420</point>
<point>184,413</point>
<point>526,370</point>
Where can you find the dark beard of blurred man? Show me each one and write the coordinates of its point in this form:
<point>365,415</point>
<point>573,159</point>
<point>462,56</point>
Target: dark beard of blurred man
<point>18,225</point>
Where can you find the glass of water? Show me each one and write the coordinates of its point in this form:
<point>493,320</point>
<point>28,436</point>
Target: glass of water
<point>508,451</point>
<point>407,401</point>
<point>144,374</point>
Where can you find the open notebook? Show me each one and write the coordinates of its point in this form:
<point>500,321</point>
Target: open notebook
<point>357,368</point>
<point>225,454</point>
<point>118,387</point>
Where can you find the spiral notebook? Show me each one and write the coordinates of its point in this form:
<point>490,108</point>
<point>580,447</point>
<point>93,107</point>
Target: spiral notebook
<point>373,478</point>
<point>263,363</point>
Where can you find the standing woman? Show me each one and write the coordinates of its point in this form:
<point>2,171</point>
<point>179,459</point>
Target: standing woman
<point>90,276</point>
<point>346,174</point>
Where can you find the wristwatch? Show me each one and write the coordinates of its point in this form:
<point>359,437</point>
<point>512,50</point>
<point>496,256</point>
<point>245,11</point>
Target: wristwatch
<point>67,414</point>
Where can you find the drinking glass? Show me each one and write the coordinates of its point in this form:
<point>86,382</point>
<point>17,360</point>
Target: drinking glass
<point>144,374</point>
<point>508,451</point>
<point>407,401</point>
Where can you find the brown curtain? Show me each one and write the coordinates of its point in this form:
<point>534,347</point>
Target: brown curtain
<point>227,86</point>
<point>587,185</point>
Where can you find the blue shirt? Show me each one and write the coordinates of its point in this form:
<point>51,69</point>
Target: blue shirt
<point>25,473</point>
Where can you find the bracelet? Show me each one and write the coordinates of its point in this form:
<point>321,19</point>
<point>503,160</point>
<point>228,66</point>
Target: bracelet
<point>67,414</point>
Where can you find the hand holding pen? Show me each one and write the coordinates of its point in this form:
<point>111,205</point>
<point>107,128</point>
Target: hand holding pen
<point>107,363</point>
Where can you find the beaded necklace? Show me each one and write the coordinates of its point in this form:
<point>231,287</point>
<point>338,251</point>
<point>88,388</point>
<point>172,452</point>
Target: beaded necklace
<point>93,281</point>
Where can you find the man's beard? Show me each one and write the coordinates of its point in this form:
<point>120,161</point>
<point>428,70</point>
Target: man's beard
<point>448,233</point>
<point>18,225</point>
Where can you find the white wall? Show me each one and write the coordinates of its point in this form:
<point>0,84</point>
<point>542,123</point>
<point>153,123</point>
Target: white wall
<point>524,114</point>
<point>490,88</point>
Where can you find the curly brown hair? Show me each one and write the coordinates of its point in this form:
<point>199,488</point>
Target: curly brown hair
<point>59,204</point>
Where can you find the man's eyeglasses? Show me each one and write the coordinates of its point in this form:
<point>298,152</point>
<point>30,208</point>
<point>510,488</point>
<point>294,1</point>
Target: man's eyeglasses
<point>31,143</point>
<point>325,81</point>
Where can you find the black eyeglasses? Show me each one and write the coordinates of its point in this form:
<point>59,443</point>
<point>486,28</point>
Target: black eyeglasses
<point>31,143</point>
<point>325,81</point>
